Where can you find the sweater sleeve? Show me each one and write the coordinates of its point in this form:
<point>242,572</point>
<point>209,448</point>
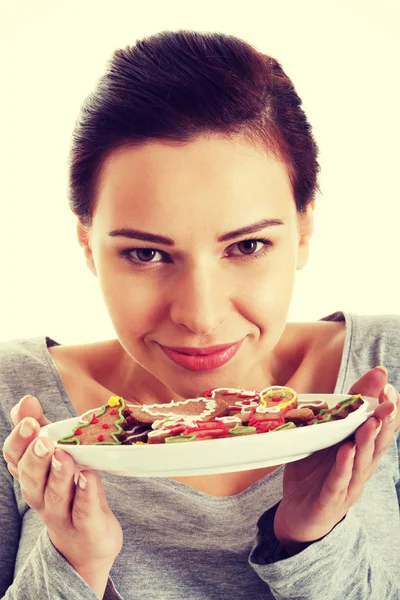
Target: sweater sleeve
<point>46,574</point>
<point>343,564</point>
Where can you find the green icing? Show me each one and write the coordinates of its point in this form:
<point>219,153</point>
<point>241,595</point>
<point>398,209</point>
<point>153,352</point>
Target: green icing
<point>174,439</point>
<point>73,439</point>
<point>336,411</point>
<point>242,429</point>
<point>288,425</point>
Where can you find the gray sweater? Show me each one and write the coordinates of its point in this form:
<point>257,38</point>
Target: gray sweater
<point>180,543</point>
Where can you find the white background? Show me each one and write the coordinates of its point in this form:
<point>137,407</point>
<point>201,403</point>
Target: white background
<point>343,58</point>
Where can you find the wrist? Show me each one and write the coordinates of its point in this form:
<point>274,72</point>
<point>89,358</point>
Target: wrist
<point>95,575</point>
<point>292,547</point>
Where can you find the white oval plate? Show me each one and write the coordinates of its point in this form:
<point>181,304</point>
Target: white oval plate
<point>223,455</point>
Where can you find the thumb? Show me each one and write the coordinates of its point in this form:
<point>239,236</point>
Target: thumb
<point>371,383</point>
<point>28,406</point>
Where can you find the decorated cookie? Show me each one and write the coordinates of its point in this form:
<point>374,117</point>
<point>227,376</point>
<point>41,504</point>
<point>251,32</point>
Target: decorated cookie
<point>340,411</point>
<point>299,416</point>
<point>104,426</point>
<point>274,403</point>
<point>218,413</point>
<point>201,408</point>
<point>240,401</point>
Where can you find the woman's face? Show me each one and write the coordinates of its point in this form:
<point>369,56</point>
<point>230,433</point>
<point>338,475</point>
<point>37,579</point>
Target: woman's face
<point>197,246</point>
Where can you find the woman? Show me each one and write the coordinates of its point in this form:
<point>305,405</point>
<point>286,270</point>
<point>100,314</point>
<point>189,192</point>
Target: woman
<point>193,177</point>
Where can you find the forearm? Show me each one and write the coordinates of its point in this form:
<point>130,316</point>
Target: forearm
<point>46,575</point>
<point>341,565</point>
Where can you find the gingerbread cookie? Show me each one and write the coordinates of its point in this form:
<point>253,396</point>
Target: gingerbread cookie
<point>240,402</point>
<point>201,408</point>
<point>103,427</point>
<point>275,402</point>
<point>340,411</point>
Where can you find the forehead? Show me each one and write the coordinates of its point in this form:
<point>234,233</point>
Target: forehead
<point>222,182</point>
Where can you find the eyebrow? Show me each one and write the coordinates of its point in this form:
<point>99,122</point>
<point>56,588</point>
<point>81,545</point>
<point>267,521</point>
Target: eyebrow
<point>160,239</point>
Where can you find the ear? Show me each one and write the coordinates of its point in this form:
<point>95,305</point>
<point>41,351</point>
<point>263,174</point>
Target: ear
<point>84,241</point>
<point>306,229</point>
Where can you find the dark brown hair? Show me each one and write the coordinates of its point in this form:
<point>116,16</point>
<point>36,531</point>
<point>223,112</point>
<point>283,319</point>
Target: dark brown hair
<point>177,85</point>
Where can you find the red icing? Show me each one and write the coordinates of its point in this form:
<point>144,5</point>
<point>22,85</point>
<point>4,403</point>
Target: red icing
<point>212,433</point>
<point>113,411</point>
<point>338,406</point>
<point>78,431</point>
<point>319,417</point>
<point>176,430</point>
<point>276,399</point>
<point>234,408</point>
<point>100,438</point>
<point>105,426</point>
<point>94,420</point>
<point>203,426</point>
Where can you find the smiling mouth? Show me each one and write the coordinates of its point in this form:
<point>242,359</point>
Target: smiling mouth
<point>202,359</point>
<point>191,351</point>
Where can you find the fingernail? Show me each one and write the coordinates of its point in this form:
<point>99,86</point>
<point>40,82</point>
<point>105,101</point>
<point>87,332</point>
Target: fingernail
<point>382,368</point>
<point>39,448</point>
<point>393,413</point>
<point>56,463</point>
<point>15,409</point>
<point>82,481</point>
<point>26,428</point>
<point>378,427</point>
<point>353,452</point>
<point>390,393</point>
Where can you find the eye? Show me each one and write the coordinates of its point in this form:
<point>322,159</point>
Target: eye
<point>251,247</point>
<point>143,255</point>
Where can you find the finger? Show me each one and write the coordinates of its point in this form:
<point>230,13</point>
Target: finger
<point>335,486</point>
<point>386,412</point>
<point>28,406</point>
<point>59,490</point>
<point>371,383</point>
<point>86,507</point>
<point>33,470</point>
<point>391,395</point>
<point>365,447</point>
<point>18,441</point>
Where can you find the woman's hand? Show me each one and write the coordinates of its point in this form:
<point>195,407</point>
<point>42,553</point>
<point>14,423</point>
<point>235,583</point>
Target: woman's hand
<point>320,489</point>
<point>79,521</point>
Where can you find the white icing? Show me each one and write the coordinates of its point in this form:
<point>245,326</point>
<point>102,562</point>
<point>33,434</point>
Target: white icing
<point>317,403</point>
<point>156,433</point>
<point>228,419</point>
<point>232,391</point>
<point>209,409</point>
<point>268,409</point>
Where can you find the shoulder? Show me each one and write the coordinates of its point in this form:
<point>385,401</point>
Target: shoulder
<point>24,369</point>
<point>375,340</point>
<point>17,354</point>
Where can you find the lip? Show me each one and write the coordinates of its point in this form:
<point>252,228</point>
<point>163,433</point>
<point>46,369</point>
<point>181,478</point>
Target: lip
<point>200,351</point>
<point>202,359</point>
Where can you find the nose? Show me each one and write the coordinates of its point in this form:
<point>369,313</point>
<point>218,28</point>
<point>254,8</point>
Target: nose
<point>199,301</point>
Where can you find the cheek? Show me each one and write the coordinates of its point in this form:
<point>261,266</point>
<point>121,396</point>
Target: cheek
<point>133,304</point>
